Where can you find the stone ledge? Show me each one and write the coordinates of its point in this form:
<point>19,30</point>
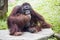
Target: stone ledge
<point>42,35</point>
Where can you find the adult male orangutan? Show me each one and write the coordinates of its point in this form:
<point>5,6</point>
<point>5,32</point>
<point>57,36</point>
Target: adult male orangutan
<point>24,18</point>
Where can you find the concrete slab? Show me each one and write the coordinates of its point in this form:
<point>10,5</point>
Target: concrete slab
<point>42,35</point>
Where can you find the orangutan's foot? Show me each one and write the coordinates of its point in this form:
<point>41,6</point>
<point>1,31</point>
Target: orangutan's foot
<point>17,33</point>
<point>34,29</point>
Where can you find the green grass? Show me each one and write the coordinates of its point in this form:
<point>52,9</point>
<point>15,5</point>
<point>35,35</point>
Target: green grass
<point>49,9</point>
<point>52,38</point>
<point>3,24</point>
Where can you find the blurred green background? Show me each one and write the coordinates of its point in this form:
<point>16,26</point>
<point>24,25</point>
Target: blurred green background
<point>49,9</point>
